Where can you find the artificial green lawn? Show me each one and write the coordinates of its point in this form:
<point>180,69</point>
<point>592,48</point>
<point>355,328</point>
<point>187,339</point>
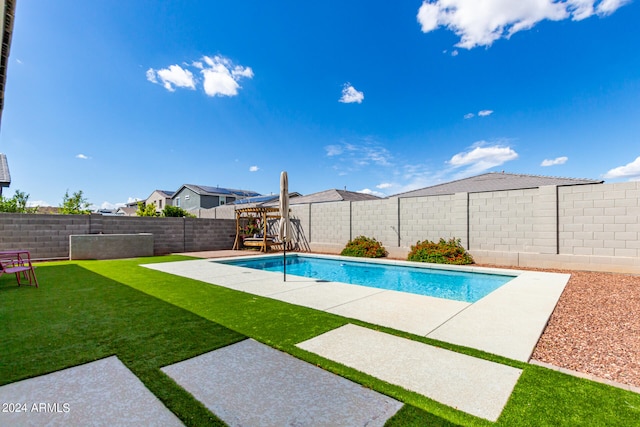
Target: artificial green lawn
<point>88,310</point>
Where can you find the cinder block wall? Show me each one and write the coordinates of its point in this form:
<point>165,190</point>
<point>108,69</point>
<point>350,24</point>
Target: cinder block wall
<point>329,226</point>
<point>514,221</point>
<point>44,236</point>
<point>377,219</point>
<point>593,227</point>
<point>47,236</point>
<point>433,218</point>
<point>600,220</point>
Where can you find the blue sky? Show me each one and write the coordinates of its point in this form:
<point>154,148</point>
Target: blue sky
<point>119,99</point>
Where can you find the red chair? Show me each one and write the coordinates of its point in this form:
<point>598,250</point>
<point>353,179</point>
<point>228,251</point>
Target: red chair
<point>18,263</point>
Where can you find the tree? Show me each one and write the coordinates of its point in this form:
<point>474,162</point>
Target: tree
<point>146,210</point>
<point>75,204</point>
<point>175,211</point>
<point>16,204</point>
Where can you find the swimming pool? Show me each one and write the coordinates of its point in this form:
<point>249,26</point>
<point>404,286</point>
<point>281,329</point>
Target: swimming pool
<point>448,284</point>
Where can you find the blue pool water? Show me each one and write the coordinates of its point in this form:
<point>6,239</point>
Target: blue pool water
<point>454,285</point>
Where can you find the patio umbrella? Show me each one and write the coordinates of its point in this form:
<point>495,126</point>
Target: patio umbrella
<point>285,223</point>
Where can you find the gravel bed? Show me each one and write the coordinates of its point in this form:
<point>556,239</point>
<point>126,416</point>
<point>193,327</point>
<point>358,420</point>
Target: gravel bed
<point>595,327</point>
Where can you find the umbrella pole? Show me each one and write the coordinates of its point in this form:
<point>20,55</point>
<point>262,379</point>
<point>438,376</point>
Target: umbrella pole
<point>284,255</point>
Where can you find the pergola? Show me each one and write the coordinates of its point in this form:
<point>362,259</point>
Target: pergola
<point>263,214</point>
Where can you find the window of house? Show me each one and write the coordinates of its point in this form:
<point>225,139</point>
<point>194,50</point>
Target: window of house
<point>177,202</point>
<point>160,204</point>
<point>223,200</point>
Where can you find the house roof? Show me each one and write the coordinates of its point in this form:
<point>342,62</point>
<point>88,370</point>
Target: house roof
<point>332,195</point>
<point>495,181</point>
<point>165,193</point>
<point>272,199</point>
<point>5,177</point>
<point>257,200</point>
<point>205,190</point>
<point>126,210</point>
<point>6,33</point>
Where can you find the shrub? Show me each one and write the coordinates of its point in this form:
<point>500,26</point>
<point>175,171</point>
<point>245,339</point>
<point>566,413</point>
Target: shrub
<point>444,252</point>
<point>16,204</point>
<point>176,211</point>
<point>75,204</point>
<point>146,210</point>
<point>365,247</point>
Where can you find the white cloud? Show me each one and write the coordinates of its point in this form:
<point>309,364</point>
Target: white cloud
<point>82,156</point>
<point>254,169</point>
<point>384,185</point>
<point>220,76</point>
<point>351,95</point>
<point>454,53</point>
<point>35,203</point>
<point>630,170</point>
<point>109,205</point>
<point>552,162</point>
<point>172,77</point>
<point>482,158</point>
<point>354,157</point>
<point>481,22</point>
<point>481,113</point>
<point>372,192</point>
<point>333,150</point>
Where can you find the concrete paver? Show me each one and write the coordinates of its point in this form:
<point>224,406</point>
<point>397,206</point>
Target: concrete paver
<point>510,320</point>
<point>473,385</point>
<point>418,314</point>
<point>100,393</point>
<point>251,384</point>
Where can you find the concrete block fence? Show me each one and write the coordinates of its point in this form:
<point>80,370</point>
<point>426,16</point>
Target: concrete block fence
<point>47,236</point>
<point>590,227</point>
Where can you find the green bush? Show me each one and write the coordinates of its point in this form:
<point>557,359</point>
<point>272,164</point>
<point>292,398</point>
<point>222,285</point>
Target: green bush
<point>176,211</point>
<point>16,204</point>
<point>444,252</point>
<point>365,247</point>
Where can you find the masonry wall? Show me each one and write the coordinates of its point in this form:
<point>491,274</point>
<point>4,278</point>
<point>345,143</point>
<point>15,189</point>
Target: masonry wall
<point>433,218</point>
<point>591,227</point>
<point>47,236</point>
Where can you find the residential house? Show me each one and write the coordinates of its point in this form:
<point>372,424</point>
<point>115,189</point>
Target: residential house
<point>7,13</point>
<point>269,200</point>
<point>127,211</point>
<point>5,177</point>
<point>332,195</point>
<point>190,196</point>
<point>160,198</point>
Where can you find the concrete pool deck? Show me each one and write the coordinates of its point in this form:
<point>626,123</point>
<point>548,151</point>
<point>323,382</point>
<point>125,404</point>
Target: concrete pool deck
<point>508,322</point>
